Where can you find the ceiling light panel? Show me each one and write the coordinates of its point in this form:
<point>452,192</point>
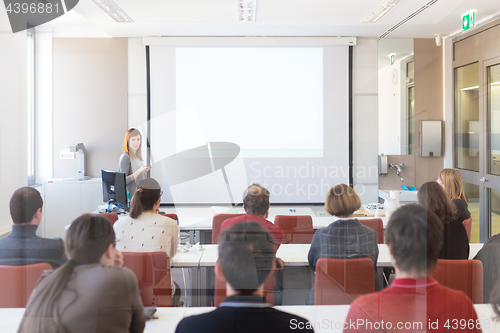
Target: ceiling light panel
<point>113,10</point>
<point>181,11</point>
<point>381,10</point>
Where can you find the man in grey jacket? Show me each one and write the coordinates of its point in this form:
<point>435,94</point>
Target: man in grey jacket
<point>22,246</point>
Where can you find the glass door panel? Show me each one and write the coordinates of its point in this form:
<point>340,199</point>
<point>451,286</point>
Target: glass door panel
<point>494,212</point>
<point>493,139</point>
<point>472,195</point>
<point>467,126</point>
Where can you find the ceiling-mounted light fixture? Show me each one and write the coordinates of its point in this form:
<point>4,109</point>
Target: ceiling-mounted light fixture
<point>381,10</point>
<point>113,10</point>
<point>247,10</point>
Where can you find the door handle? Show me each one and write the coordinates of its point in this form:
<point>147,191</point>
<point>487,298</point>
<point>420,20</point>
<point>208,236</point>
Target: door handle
<point>483,180</point>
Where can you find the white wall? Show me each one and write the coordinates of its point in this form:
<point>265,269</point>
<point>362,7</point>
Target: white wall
<point>43,104</point>
<point>391,106</point>
<point>365,116</point>
<point>13,86</point>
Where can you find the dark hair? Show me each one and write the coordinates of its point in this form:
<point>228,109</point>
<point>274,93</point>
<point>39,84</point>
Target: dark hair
<point>256,200</point>
<point>24,203</point>
<point>87,239</point>
<point>247,252</point>
<point>342,200</point>
<point>495,299</point>
<point>431,195</point>
<point>415,235</point>
<point>144,198</point>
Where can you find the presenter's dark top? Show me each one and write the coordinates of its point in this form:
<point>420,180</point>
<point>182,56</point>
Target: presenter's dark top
<point>242,314</point>
<point>23,247</point>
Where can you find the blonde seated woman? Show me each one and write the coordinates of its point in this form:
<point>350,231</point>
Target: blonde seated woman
<point>451,182</point>
<point>144,230</point>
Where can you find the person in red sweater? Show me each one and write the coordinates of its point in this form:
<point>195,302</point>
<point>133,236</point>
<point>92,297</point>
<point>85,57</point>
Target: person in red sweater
<point>414,302</point>
<point>256,205</point>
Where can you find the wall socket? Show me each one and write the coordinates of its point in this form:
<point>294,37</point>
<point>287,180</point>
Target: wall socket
<point>65,154</point>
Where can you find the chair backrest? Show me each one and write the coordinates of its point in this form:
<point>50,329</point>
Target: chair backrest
<point>378,226</point>
<point>216,223</point>
<point>17,283</point>
<point>172,216</point>
<point>297,229</point>
<point>468,226</point>
<point>112,217</point>
<point>464,275</point>
<point>220,289</point>
<point>340,281</point>
<point>149,268</point>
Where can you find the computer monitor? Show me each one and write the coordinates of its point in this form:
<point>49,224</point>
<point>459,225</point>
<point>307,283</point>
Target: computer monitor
<point>114,189</point>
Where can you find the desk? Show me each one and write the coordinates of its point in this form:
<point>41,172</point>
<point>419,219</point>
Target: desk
<point>168,318</point>
<point>296,254</point>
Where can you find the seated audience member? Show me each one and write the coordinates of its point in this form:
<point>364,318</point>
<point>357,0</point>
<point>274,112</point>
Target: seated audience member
<point>414,302</point>
<point>455,240</point>
<point>489,255</point>
<point>89,293</point>
<point>256,205</point>
<point>346,237</point>
<point>22,246</point>
<point>144,230</point>
<point>451,182</point>
<point>495,299</point>
<point>247,254</point>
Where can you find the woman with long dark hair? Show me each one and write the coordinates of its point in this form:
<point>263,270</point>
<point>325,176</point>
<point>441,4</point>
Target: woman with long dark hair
<point>89,293</point>
<point>144,230</point>
<point>455,240</point>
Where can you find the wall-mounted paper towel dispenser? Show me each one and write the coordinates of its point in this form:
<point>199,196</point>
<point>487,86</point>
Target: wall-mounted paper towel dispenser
<point>430,138</point>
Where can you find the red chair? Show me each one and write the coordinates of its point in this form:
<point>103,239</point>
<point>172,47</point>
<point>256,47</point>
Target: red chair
<point>17,283</point>
<point>220,289</point>
<point>340,281</point>
<point>152,270</point>
<point>377,225</point>
<point>468,226</point>
<point>216,223</point>
<point>112,217</point>
<point>172,216</point>
<point>464,275</point>
<point>298,229</point>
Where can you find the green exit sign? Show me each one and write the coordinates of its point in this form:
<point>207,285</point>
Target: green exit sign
<point>391,58</point>
<point>469,20</point>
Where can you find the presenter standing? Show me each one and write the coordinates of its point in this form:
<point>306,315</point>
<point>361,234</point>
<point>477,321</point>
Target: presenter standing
<point>131,162</point>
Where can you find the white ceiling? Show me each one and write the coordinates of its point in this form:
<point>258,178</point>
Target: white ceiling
<point>273,18</point>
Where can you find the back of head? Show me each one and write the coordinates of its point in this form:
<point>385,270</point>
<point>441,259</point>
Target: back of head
<point>146,196</point>
<point>342,200</point>
<point>87,240</point>
<point>24,203</point>
<point>415,235</point>
<point>431,196</point>
<point>452,181</point>
<point>256,200</point>
<point>247,252</point>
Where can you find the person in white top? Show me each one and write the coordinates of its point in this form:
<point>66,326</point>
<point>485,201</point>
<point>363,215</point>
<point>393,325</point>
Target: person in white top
<point>144,230</point>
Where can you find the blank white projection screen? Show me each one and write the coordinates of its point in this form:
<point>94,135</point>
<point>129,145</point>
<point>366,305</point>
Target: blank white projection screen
<point>225,117</point>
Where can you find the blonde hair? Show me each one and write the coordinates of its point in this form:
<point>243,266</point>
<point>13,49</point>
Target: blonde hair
<point>452,181</point>
<point>131,133</point>
<point>342,200</point>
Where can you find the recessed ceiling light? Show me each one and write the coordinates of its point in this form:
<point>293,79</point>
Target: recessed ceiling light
<point>247,10</point>
<point>113,10</point>
<point>381,10</point>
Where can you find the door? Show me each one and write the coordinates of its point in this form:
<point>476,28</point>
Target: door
<point>477,143</point>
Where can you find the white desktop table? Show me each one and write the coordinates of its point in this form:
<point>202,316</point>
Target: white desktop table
<point>328,318</point>
<point>296,254</point>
